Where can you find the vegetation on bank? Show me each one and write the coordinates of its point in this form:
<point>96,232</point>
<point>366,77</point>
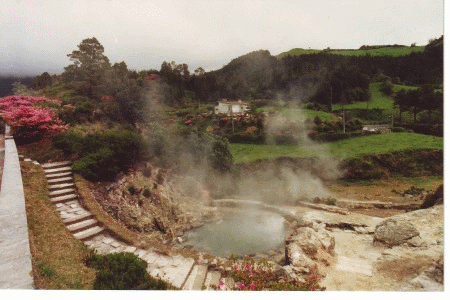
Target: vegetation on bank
<point>123,271</point>
<point>57,257</point>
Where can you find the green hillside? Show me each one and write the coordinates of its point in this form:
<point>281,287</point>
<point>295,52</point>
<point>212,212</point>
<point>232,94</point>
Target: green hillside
<point>378,51</point>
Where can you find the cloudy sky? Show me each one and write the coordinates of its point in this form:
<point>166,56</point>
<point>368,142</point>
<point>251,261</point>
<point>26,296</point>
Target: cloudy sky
<point>36,36</point>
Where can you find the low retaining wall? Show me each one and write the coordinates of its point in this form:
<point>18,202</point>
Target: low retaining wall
<point>15,256</point>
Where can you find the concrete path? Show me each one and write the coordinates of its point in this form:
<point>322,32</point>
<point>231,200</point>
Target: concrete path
<point>15,256</point>
<point>183,273</point>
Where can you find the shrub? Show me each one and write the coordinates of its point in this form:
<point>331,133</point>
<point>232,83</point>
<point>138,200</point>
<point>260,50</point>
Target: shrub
<point>32,117</point>
<point>123,271</point>
<point>101,156</point>
<point>398,129</point>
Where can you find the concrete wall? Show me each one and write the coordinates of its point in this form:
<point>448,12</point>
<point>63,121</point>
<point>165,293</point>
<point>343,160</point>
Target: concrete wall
<point>15,256</point>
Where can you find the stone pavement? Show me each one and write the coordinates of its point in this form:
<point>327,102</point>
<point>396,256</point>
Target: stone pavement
<point>15,256</point>
<point>183,273</point>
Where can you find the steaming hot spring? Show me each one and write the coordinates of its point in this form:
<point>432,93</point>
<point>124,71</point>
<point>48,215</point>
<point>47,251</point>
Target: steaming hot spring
<point>247,227</point>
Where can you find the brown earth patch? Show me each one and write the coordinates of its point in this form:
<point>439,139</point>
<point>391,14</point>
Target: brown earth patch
<point>403,268</point>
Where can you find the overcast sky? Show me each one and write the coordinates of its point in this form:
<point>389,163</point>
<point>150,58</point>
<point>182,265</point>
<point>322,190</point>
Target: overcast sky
<point>36,36</point>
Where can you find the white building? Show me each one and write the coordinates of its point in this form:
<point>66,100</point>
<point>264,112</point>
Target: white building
<point>232,107</point>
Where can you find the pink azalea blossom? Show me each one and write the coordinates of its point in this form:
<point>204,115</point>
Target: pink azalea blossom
<point>241,286</point>
<point>250,274</point>
<point>252,286</point>
<point>30,116</point>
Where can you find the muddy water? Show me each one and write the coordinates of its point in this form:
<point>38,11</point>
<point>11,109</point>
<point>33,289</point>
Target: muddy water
<point>240,232</point>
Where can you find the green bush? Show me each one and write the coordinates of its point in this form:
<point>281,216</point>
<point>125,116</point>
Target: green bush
<point>398,129</point>
<point>123,271</point>
<point>101,156</point>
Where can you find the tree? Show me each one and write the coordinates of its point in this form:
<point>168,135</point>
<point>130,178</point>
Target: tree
<point>41,81</point>
<point>89,65</point>
<point>402,101</point>
<point>127,102</point>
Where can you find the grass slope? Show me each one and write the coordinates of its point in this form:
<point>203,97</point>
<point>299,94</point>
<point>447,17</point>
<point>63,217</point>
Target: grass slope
<point>353,147</point>
<point>57,257</point>
<point>381,51</point>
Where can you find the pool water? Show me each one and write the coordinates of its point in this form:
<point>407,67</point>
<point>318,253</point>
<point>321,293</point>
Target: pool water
<point>240,232</point>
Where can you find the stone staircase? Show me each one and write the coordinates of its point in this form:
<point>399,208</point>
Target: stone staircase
<point>183,273</point>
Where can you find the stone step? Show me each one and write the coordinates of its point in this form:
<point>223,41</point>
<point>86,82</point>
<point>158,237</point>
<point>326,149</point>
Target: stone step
<point>88,233</point>
<point>64,198</point>
<point>58,175</point>
<point>58,170</point>
<point>61,186</point>
<point>212,279</point>
<point>78,218</point>
<point>196,278</point>
<point>56,164</point>
<point>80,226</point>
<point>176,271</point>
<point>61,192</point>
<point>61,180</point>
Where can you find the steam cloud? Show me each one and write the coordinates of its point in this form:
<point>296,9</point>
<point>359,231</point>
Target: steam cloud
<point>274,182</point>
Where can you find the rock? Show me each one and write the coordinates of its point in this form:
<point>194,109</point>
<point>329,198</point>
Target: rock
<point>179,240</point>
<point>317,226</point>
<point>361,230</point>
<point>394,232</point>
<point>296,272</point>
<point>306,245</point>
<point>416,242</point>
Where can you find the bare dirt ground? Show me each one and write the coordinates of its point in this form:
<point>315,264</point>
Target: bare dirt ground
<point>382,191</point>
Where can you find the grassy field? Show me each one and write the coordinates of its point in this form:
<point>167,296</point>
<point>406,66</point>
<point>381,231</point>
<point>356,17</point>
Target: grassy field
<point>300,114</point>
<point>343,149</point>
<point>381,101</point>
<point>383,51</point>
<point>377,99</point>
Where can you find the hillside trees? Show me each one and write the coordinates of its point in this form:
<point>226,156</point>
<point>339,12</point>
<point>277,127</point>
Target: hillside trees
<point>424,98</point>
<point>347,85</point>
<point>127,103</point>
<point>41,81</point>
<point>88,68</point>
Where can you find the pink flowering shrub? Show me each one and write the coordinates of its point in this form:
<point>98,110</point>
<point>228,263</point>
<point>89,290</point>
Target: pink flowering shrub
<point>249,275</point>
<point>32,116</point>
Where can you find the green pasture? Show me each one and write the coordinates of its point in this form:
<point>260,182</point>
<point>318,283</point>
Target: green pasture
<point>353,147</point>
<point>299,113</point>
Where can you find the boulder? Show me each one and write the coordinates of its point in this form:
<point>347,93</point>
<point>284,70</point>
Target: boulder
<point>394,232</point>
<point>306,246</point>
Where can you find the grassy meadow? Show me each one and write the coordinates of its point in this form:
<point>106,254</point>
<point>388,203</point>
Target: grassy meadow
<point>353,147</point>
